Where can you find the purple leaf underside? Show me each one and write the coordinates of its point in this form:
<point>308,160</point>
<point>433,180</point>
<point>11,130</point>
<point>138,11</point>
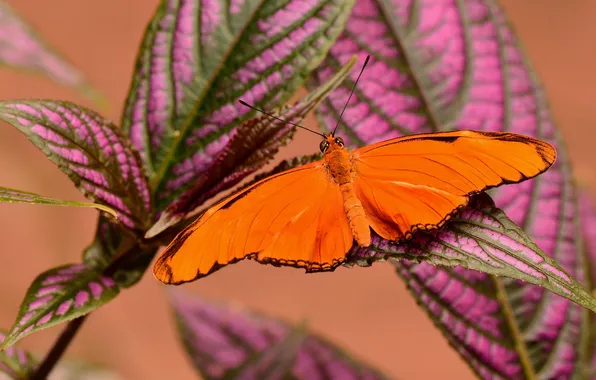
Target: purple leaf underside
<point>90,150</point>
<point>457,65</point>
<point>59,295</point>
<point>223,340</point>
<point>16,362</point>
<point>21,48</point>
<point>198,58</point>
<point>251,146</point>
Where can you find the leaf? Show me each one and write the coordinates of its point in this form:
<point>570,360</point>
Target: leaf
<point>222,340</point>
<point>587,214</point>
<point>588,221</point>
<point>483,238</point>
<point>275,362</point>
<point>15,362</point>
<point>199,57</point>
<point>59,295</point>
<point>454,65</point>
<point>90,150</point>
<point>19,196</point>
<point>251,146</point>
<point>22,48</point>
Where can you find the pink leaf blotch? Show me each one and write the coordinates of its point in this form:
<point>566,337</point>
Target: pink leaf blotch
<point>59,295</point>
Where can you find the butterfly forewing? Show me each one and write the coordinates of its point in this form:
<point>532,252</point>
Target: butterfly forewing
<point>293,218</point>
<point>418,181</point>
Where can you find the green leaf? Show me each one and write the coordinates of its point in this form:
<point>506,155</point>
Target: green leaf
<point>199,57</point>
<point>60,295</point>
<point>19,196</point>
<point>21,48</point>
<point>15,362</point>
<point>481,237</point>
<point>252,145</point>
<point>90,150</point>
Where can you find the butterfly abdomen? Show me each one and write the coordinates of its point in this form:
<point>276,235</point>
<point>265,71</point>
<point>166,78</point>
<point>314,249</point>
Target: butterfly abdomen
<point>356,215</point>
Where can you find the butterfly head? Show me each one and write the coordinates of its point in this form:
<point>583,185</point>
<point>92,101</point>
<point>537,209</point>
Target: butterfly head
<point>331,143</point>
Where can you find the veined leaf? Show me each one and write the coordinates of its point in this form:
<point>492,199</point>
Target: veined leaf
<point>588,221</point>
<point>449,65</point>
<point>15,362</point>
<point>199,57</point>
<point>59,295</point>
<point>19,196</point>
<point>250,147</point>
<point>483,238</point>
<point>275,362</point>
<point>587,213</point>
<point>21,48</point>
<point>90,150</point>
<point>223,340</point>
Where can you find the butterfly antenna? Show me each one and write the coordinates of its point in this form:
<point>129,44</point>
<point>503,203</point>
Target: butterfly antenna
<point>277,118</point>
<point>351,93</point>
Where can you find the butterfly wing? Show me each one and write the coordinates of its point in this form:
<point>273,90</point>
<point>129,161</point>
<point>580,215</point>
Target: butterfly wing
<point>419,181</point>
<point>294,218</point>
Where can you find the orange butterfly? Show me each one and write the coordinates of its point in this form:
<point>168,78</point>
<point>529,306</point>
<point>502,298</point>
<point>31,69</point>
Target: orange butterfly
<point>309,216</point>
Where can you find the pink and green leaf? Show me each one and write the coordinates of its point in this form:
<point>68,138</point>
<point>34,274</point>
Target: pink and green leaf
<point>90,150</point>
<point>222,340</point>
<point>457,65</point>
<point>199,57</point>
<point>21,48</point>
<point>251,146</point>
<point>60,295</point>
<point>587,214</point>
<point>19,196</point>
<point>16,362</point>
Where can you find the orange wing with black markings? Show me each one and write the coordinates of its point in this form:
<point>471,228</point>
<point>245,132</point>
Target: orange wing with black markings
<point>299,217</point>
<point>293,218</point>
<point>418,181</point>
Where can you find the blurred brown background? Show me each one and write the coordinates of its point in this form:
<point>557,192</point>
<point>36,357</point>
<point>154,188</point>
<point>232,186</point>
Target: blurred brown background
<point>367,311</point>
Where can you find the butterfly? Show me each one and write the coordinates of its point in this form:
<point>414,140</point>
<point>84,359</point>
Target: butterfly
<point>310,216</point>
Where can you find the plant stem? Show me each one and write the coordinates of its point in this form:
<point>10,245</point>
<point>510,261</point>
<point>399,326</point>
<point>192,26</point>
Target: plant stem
<point>48,363</point>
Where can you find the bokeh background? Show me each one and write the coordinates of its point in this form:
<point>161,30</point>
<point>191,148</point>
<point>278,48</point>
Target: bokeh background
<point>368,311</point>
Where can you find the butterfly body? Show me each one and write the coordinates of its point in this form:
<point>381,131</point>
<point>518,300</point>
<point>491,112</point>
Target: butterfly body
<point>340,165</point>
<point>310,216</point>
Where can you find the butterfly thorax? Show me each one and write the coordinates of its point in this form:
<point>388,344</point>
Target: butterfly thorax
<point>339,165</point>
<point>341,169</point>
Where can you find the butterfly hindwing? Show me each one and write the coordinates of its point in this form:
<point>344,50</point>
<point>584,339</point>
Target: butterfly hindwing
<point>294,218</point>
<point>418,181</point>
